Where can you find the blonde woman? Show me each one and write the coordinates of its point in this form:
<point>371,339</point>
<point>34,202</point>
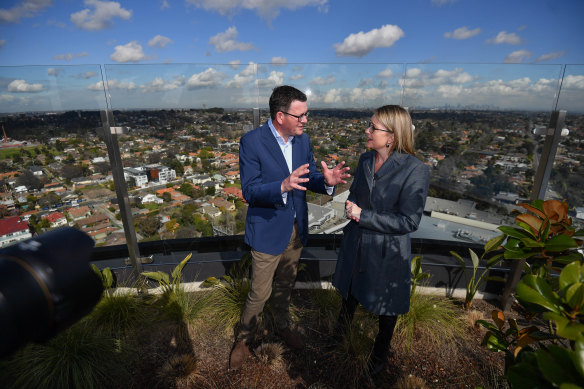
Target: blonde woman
<point>385,205</point>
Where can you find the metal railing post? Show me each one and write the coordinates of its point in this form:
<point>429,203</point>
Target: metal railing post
<point>540,183</point>
<point>256,117</point>
<point>113,149</point>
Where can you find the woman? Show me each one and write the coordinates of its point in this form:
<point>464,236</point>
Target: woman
<point>385,204</point>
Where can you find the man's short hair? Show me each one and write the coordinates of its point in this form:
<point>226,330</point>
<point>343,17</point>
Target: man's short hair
<point>282,97</point>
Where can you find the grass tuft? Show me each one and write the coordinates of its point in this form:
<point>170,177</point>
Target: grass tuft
<point>432,318</point>
<point>410,382</point>
<point>270,354</point>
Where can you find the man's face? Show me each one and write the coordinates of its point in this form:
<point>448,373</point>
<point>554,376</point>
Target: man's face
<point>290,125</point>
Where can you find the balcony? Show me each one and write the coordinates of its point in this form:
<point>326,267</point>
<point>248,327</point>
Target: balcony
<point>486,130</point>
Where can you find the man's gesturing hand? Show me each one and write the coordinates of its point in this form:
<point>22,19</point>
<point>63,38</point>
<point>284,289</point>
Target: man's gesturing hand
<point>335,175</point>
<point>294,180</point>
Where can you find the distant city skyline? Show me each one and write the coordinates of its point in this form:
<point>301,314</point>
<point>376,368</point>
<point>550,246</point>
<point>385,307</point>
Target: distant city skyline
<point>229,53</point>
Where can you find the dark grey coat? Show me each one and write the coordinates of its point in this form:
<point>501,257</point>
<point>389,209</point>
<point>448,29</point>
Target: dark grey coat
<point>374,260</point>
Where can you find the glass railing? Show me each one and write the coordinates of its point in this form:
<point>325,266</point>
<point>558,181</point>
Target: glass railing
<point>474,128</point>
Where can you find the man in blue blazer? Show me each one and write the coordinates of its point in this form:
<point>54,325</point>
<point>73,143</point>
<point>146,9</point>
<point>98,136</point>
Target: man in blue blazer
<point>277,167</point>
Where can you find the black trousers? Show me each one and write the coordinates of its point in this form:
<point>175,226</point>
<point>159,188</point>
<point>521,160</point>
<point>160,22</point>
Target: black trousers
<point>386,327</point>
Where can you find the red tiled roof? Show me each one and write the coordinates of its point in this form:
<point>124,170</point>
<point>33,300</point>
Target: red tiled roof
<point>12,224</point>
<point>53,217</point>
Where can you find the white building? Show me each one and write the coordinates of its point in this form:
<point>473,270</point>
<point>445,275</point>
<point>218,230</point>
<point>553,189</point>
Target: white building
<point>13,230</point>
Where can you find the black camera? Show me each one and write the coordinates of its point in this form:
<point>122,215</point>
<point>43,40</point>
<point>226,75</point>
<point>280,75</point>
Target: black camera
<point>46,285</point>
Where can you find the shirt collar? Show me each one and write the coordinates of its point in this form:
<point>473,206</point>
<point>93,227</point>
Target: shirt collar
<point>277,135</point>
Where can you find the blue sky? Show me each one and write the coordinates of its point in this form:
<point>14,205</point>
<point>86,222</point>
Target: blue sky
<point>339,50</point>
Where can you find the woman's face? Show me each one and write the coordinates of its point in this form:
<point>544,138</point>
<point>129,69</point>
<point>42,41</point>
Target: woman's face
<point>378,136</point>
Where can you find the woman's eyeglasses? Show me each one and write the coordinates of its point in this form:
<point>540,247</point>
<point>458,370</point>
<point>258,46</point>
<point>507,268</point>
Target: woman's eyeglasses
<point>373,128</point>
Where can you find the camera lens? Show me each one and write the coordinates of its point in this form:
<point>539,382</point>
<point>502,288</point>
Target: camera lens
<point>46,284</point>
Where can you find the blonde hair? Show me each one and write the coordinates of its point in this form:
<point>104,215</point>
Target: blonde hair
<point>398,120</point>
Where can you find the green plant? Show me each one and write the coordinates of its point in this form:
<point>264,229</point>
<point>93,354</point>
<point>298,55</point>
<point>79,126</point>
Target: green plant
<point>534,358</point>
<point>168,283</point>
<point>430,317</point>
<point>543,235</point>
<point>77,358</point>
<point>417,274</point>
<point>107,278</point>
<point>230,292</point>
<point>474,283</point>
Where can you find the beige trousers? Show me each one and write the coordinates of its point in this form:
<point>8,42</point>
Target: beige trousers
<point>271,272</point>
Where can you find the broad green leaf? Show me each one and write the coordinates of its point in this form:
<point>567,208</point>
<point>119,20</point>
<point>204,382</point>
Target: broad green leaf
<point>488,325</point>
<point>108,277</point>
<point>492,342</point>
<point>528,242</point>
<point>575,296</point>
<point>495,259</point>
<point>475,259</point>
<point>459,259</point>
<point>526,375</point>
<point>178,269</point>
<point>560,243</point>
<point>565,328</point>
<point>569,258</point>
<point>526,227</point>
<point>555,364</point>
<point>578,357</point>
<point>515,232</point>
<point>535,207</point>
<point>493,244</point>
<point>519,254</point>
<point>571,274</point>
<point>159,276</point>
<point>535,290</point>
<point>96,270</point>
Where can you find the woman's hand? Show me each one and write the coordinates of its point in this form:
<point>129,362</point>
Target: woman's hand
<point>352,211</point>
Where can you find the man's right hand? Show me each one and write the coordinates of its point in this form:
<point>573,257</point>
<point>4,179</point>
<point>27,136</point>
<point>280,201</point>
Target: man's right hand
<point>294,180</point>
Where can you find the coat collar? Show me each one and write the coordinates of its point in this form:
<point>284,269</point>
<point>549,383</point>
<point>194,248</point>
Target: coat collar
<point>394,160</point>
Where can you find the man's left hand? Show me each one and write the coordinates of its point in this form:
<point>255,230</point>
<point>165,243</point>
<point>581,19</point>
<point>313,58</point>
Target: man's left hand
<point>336,175</point>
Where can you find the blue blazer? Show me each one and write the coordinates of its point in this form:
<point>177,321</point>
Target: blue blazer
<point>262,166</point>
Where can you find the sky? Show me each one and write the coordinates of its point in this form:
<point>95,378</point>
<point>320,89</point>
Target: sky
<point>344,52</point>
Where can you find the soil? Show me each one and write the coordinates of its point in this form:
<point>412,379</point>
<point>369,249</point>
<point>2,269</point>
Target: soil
<point>320,364</point>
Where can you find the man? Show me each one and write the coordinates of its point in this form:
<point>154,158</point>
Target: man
<point>277,167</point>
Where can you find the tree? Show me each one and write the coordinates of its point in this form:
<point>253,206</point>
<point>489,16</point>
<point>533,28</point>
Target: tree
<point>187,189</point>
<point>71,171</point>
<point>148,225</point>
<point>166,197</point>
<point>29,180</point>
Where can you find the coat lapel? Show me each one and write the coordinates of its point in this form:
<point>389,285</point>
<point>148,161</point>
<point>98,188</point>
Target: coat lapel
<point>272,147</point>
<point>369,166</point>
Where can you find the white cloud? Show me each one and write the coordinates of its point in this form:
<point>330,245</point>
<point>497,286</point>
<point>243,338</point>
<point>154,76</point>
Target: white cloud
<point>113,84</point>
<point>322,81</point>
<point>275,78</point>
<point>518,56</point>
<point>573,82</point>
<point>234,64</point>
<point>385,73</point>
<point>160,85</point>
<point>440,3</point>
<point>54,71</point>
<point>164,4</point>
<point>102,15</point>
<point>415,78</point>
<point>89,75</point>
<point>98,86</point>
<point>6,98</point>
<point>225,41</point>
<point>361,43</point>
<point>159,41</point>
<point>462,33</point>
<point>278,61</point>
<point>295,77</point>
<point>130,52</point>
<point>21,86</point>
<point>360,94</point>
<point>333,96</point>
<point>549,56</point>
<point>2,43</point>
<point>504,37</point>
<point>70,56</point>
<point>449,91</point>
<point>266,9</point>
<point>24,9</point>
<point>209,78</point>
<point>246,76</point>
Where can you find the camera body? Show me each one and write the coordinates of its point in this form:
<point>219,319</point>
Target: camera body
<point>46,285</point>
